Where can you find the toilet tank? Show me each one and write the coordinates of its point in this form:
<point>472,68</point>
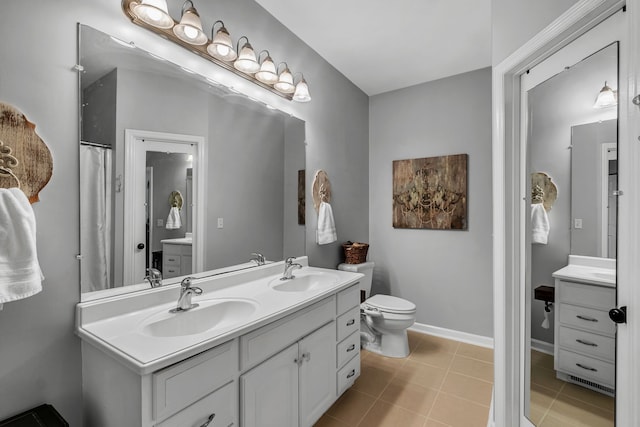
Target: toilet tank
<point>365,268</point>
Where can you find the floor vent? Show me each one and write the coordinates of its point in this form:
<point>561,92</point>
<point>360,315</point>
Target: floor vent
<point>594,386</point>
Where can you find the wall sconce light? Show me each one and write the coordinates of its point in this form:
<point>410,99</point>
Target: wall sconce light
<point>221,46</point>
<point>154,16</point>
<point>189,30</point>
<point>606,98</point>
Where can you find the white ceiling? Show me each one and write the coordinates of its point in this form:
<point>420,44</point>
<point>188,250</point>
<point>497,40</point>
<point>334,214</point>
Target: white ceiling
<point>383,45</point>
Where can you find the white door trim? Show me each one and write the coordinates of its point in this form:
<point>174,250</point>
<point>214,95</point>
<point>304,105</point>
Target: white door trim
<point>508,209</point>
<point>199,173</point>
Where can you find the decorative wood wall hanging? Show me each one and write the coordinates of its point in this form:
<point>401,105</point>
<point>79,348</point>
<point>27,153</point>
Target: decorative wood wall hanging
<point>175,199</point>
<point>301,196</point>
<point>25,160</point>
<point>321,189</point>
<point>543,190</point>
<point>430,193</point>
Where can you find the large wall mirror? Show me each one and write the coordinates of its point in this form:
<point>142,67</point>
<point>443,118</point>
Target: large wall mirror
<point>177,172</point>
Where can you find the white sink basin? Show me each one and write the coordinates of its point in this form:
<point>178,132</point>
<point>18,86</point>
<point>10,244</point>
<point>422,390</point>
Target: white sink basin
<point>210,314</point>
<point>305,281</point>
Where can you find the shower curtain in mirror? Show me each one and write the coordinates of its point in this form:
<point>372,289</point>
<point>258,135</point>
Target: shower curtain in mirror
<point>95,217</point>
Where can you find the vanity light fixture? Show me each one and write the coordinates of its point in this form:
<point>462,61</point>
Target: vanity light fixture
<point>247,61</point>
<point>189,30</point>
<point>606,98</point>
<point>221,46</point>
<point>301,93</point>
<point>153,15</point>
<point>152,12</point>
<point>267,73</point>
<point>285,80</point>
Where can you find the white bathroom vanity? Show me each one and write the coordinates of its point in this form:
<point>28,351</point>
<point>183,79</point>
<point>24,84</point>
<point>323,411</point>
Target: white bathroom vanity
<point>257,351</point>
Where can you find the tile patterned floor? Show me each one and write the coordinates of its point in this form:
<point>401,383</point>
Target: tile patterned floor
<point>442,383</point>
<point>557,403</point>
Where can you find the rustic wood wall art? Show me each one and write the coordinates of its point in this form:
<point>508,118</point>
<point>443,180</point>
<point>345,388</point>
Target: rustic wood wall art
<point>321,189</point>
<point>25,160</point>
<point>543,190</point>
<point>430,193</point>
<point>301,196</point>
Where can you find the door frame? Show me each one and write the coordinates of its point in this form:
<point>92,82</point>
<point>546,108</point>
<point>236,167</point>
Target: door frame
<point>508,165</point>
<point>133,136</point>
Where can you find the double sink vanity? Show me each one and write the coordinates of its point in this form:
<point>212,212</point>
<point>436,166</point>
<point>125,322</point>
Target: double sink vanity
<point>255,351</point>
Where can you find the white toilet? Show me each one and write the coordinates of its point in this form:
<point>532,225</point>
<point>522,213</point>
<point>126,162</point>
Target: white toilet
<point>383,319</point>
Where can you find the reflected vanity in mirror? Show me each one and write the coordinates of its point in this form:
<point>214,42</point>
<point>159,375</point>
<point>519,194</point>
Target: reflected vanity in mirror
<point>570,343</point>
<point>149,131</point>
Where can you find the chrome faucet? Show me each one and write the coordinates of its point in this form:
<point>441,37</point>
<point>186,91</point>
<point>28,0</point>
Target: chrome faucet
<point>154,277</point>
<point>186,291</point>
<point>289,266</point>
<point>258,258</point>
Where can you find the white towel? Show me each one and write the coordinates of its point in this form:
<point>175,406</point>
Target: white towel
<point>173,220</point>
<point>326,232</point>
<point>539,224</point>
<point>20,274</point>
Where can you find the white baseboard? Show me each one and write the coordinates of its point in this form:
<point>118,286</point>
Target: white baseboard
<point>542,346</point>
<point>465,337</point>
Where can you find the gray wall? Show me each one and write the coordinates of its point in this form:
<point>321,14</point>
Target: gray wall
<point>447,274</point>
<point>99,110</point>
<point>41,360</point>
<point>555,106</point>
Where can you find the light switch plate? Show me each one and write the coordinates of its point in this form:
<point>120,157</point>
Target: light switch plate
<point>577,223</point>
<point>220,223</point>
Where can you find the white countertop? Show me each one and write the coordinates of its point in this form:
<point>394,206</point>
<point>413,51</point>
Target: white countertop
<point>115,325</point>
<point>592,270</point>
<point>178,241</point>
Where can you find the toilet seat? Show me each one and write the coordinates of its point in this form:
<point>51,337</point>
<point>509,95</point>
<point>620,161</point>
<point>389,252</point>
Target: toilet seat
<point>389,304</point>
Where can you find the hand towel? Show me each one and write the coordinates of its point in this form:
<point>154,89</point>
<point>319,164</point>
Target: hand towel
<point>20,274</point>
<point>173,220</point>
<point>539,224</point>
<point>326,232</point>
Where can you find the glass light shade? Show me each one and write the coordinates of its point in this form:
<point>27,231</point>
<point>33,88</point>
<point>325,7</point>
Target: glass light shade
<point>189,30</point>
<point>153,12</point>
<point>302,92</point>
<point>606,98</point>
<point>285,82</point>
<point>267,73</point>
<point>221,46</point>
<point>246,61</point>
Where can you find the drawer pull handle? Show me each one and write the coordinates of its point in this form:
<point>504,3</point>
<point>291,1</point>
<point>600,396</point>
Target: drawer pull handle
<point>588,319</point>
<point>211,417</point>
<point>592,344</point>
<point>351,322</point>
<point>586,367</point>
<point>352,373</point>
<point>298,361</point>
<point>351,348</point>
<point>306,356</point>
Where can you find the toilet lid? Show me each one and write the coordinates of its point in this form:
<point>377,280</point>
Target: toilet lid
<point>391,304</point>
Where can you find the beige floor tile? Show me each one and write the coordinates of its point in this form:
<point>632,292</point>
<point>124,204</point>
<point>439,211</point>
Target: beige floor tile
<point>541,360</point>
<point>328,421</point>
<point>459,412</point>
<point>414,339</point>
<point>389,363</point>
<point>384,414</point>
<point>551,421</point>
<point>430,355</point>
<point>373,379</point>
<point>574,412</point>
<point>472,367</point>
<point>475,352</point>
<point>433,343</point>
<point>536,415</point>
<point>468,388</point>
<point>542,397</point>
<point>418,373</point>
<point>351,407</point>
<point>589,396</point>
<point>409,396</point>
<point>546,378</point>
<point>434,423</point>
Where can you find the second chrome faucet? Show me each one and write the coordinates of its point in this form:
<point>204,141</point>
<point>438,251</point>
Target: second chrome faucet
<point>186,292</point>
<point>289,266</point>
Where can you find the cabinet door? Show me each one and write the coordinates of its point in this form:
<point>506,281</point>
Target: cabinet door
<point>269,392</point>
<point>317,380</point>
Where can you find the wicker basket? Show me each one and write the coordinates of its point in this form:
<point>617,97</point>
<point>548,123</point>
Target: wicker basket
<point>355,253</point>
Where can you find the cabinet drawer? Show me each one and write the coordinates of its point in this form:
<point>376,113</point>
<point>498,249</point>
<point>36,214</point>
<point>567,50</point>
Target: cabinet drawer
<point>587,295</point>
<point>181,384</point>
<point>348,348</point>
<point>587,318</point>
<point>258,345</point>
<point>171,260</point>
<point>348,323</point>
<point>222,405</point>
<point>587,367</point>
<point>348,374</point>
<point>348,298</point>
<point>586,342</point>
